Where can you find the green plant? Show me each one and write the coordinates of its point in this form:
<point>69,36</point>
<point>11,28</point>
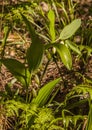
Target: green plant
<point>53,36</point>
<point>36,50</point>
<point>23,72</point>
<point>64,45</point>
<point>29,112</point>
<point>34,116</point>
<point>74,114</point>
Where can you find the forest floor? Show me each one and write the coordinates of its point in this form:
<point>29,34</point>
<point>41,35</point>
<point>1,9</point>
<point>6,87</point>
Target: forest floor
<point>70,78</point>
<point>81,70</point>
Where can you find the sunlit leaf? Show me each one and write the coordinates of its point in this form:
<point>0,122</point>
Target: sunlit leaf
<point>70,29</point>
<point>51,17</point>
<point>35,51</point>
<point>18,70</point>
<point>65,55</point>
<point>73,46</point>
<point>45,93</point>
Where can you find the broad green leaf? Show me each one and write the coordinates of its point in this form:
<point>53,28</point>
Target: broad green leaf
<point>70,29</point>
<point>45,93</point>
<point>73,46</point>
<point>51,17</point>
<point>35,51</point>
<point>18,70</point>
<point>89,123</point>
<point>65,55</point>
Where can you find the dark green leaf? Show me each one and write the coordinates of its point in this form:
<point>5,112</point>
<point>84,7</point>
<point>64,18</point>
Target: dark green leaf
<point>18,70</point>
<point>35,51</point>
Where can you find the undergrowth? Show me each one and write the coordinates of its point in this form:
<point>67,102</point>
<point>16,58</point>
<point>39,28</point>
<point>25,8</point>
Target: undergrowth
<point>50,29</point>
